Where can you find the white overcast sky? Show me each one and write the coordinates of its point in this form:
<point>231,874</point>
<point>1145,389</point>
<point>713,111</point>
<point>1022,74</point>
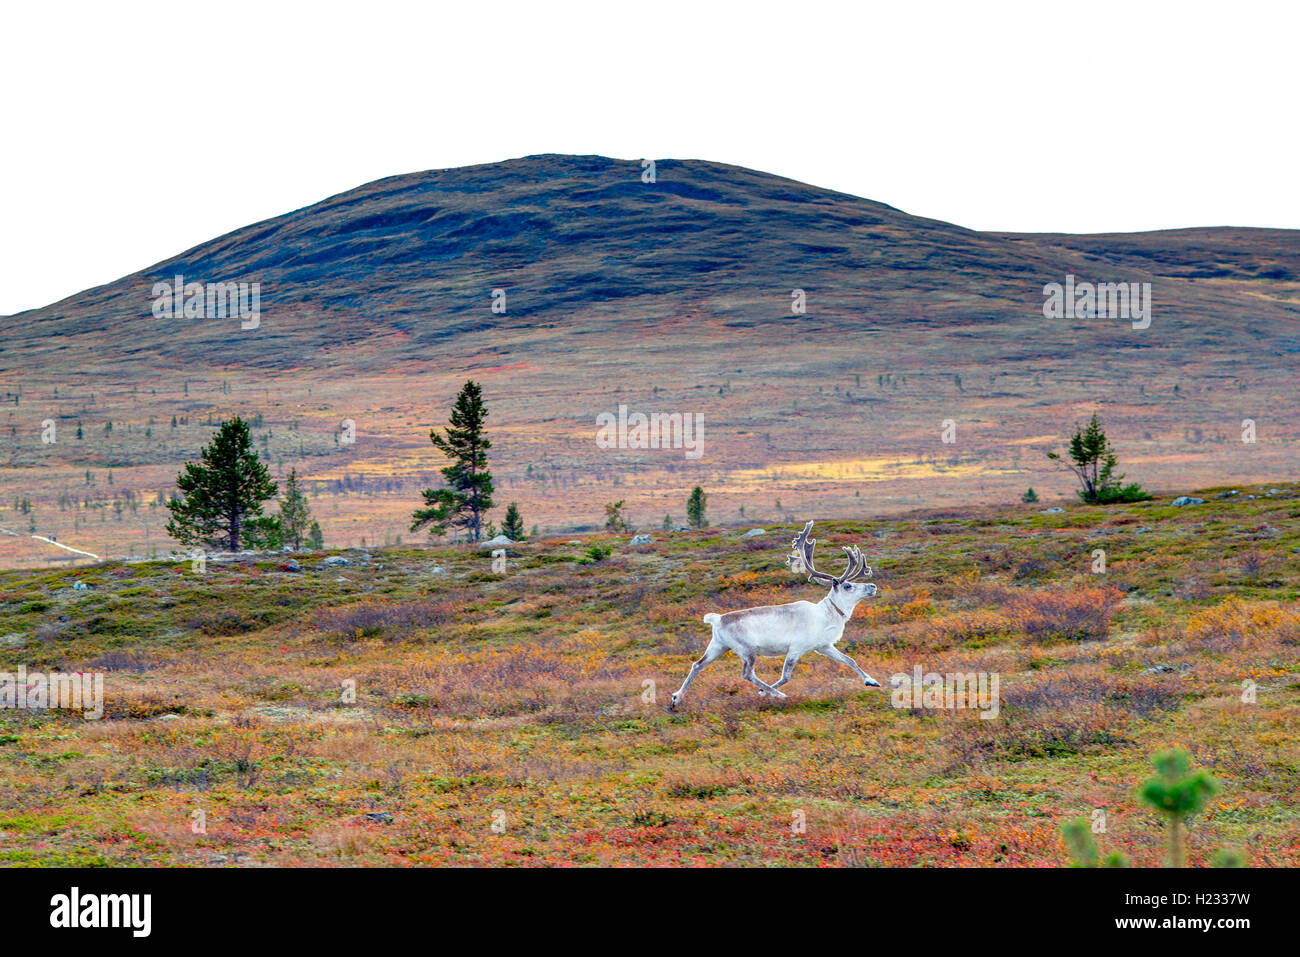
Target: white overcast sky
<point>133,131</point>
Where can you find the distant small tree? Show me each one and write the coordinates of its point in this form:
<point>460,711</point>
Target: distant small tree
<point>295,513</point>
<point>1030,495</point>
<point>512,527</point>
<point>315,538</point>
<point>668,523</point>
<point>469,493</point>
<point>222,493</point>
<point>614,520</point>
<point>695,507</point>
<point>1092,460</point>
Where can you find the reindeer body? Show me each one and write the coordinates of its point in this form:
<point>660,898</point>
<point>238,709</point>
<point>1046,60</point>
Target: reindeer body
<point>798,627</point>
<point>791,630</point>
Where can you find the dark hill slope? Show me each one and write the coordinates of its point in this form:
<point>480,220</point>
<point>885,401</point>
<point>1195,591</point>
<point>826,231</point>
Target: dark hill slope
<point>401,269</point>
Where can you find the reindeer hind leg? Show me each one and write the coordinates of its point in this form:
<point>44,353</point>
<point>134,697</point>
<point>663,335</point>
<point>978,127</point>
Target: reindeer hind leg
<point>787,669</point>
<point>747,672</point>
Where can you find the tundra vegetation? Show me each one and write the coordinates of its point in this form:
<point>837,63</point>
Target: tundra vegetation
<point>380,707</point>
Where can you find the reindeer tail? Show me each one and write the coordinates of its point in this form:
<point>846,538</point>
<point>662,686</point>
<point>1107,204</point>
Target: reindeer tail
<point>712,619</point>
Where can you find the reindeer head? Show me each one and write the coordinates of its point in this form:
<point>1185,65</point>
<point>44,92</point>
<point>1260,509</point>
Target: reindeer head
<point>845,587</point>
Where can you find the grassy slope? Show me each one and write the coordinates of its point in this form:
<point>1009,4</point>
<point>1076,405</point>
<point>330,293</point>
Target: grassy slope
<point>523,694</point>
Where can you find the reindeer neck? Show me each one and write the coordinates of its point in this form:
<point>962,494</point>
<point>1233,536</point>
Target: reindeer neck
<point>836,608</point>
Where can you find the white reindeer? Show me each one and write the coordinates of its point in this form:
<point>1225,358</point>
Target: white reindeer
<point>793,629</point>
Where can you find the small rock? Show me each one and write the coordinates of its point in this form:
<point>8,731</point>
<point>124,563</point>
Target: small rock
<point>80,586</point>
<point>1228,494</point>
<point>379,817</point>
<point>336,560</point>
<point>437,570</point>
<point>496,542</point>
<point>1187,500</point>
<point>640,540</point>
<point>1054,510</point>
<point>754,531</point>
<point>292,566</point>
<point>224,557</point>
<point>574,541</point>
<point>1157,670</point>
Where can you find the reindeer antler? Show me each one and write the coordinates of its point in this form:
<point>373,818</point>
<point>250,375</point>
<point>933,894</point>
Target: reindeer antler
<point>802,552</point>
<point>858,567</point>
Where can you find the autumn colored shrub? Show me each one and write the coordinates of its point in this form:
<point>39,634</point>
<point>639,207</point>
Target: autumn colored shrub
<point>390,621</point>
<point>917,606</point>
<point>971,627</point>
<point>1074,614</point>
<point>1060,716</point>
<point>1234,622</point>
<point>133,705</point>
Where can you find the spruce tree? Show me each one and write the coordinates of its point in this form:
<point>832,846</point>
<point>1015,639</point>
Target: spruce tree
<point>315,538</point>
<point>695,507</point>
<point>295,514</point>
<point>222,494</point>
<point>512,527</point>
<point>469,493</point>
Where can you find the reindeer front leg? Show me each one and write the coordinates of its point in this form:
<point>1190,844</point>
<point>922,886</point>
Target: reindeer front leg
<point>711,654</point>
<point>833,653</point>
